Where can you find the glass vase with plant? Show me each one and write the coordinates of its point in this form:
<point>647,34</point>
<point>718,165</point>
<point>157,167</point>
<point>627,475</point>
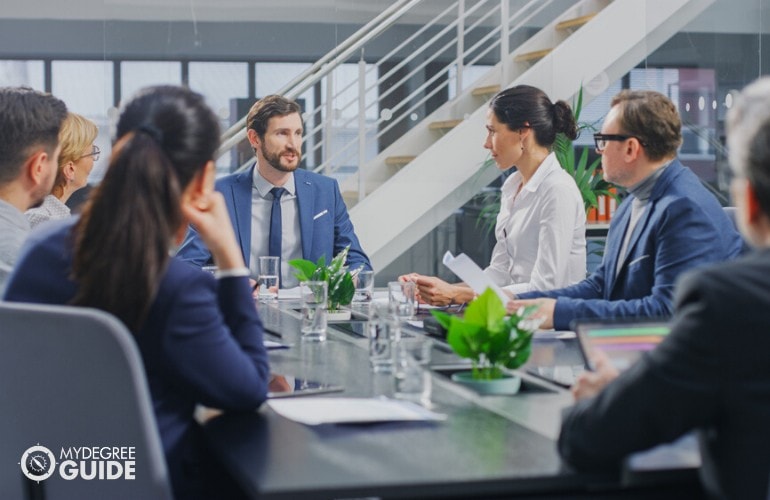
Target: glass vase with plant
<point>340,281</point>
<point>490,337</point>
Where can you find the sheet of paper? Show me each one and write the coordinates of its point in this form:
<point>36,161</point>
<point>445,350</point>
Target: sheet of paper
<point>554,334</point>
<point>288,293</point>
<point>472,275</point>
<point>316,411</point>
<point>271,344</point>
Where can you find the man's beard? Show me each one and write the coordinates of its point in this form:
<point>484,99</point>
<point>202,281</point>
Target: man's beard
<point>274,159</point>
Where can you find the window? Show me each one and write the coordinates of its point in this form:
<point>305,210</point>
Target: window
<point>87,89</point>
<point>135,75</point>
<point>22,73</point>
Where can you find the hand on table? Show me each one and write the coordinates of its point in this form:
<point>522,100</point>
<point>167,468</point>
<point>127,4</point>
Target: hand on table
<point>590,383</point>
<point>544,311</point>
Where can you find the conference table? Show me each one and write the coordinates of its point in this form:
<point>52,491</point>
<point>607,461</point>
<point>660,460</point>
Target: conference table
<point>488,446</point>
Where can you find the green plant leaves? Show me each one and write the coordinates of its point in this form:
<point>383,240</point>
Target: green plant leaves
<point>487,336</point>
<point>340,282</point>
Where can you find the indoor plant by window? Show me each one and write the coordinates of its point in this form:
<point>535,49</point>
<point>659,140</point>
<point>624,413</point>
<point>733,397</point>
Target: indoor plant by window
<point>493,340</point>
<point>336,275</point>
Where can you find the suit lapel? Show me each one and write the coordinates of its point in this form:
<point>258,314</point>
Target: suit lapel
<point>240,191</point>
<point>305,205</point>
<point>612,250</point>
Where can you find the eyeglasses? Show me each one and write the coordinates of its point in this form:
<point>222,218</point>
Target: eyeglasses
<point>95,152</point>
<point>601,140</point>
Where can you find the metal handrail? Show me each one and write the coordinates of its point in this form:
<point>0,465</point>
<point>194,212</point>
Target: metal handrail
<point>382,21</point>
<point>454,19</point>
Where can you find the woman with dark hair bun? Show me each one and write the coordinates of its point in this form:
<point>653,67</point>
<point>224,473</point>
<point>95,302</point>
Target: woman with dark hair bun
<point>540,229</point>
<point>200,336</point>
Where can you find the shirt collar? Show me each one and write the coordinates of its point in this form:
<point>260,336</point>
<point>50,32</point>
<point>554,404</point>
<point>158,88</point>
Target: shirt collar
<point>549,165</point>
<point>263,187</point>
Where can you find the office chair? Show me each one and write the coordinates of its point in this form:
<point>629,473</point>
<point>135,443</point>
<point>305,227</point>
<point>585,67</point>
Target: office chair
<point>72,377</point>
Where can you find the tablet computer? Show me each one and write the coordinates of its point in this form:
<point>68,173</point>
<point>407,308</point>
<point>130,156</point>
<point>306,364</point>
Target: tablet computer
<point>286,386</point>
<point>623,342</point>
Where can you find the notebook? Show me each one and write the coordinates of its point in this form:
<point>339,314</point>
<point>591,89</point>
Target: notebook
<point>623,342</point>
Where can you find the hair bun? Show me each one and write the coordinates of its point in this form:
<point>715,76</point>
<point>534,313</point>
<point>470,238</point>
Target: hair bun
<point>152,131</point>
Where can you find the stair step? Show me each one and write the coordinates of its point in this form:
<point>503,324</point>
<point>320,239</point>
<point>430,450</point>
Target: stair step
<point>444,124</point>
<point>532,56</point>
<point>575,23</point>
<point>485,91</point>
<point>398,161</point>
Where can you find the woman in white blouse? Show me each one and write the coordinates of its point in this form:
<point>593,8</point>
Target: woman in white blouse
<point>76,160</point>
<point>540,229</point>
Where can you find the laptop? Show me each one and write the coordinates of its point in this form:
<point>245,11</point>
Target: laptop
<point>624,342</point>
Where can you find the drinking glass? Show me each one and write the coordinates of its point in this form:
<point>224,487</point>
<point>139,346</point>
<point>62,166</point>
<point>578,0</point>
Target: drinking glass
<point>313,295</point>
<point>401,297</point>
<point>268,277</point>
<point>364,286</point>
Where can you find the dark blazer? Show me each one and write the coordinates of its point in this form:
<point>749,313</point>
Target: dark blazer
<point>201,342</point>
<point>323,220</point>
<point>682,228</point>
<point>711,374</point>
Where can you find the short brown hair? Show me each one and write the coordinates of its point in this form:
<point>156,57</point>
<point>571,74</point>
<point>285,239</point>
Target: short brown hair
<point>651,117</point>
<point>268,107</point>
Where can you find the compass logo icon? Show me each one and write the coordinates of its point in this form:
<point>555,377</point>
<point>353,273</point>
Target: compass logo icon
<point>38,463</point>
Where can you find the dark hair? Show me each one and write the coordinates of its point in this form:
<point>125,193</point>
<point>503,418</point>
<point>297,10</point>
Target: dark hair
<point>165,136</point>
<point>651,117</point>
<point>28,119</point>
<point>268,107</point>
<point>525,106</point>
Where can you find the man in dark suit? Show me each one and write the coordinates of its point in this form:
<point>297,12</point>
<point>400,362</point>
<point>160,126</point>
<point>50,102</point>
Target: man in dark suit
<point>711,373</point>
<point>311,219</point>
<point>668,224</point>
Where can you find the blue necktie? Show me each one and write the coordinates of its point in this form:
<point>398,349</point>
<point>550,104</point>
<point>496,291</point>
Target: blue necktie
<point>276,232</point>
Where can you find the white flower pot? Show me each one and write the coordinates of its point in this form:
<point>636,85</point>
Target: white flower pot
<point>507,385</point>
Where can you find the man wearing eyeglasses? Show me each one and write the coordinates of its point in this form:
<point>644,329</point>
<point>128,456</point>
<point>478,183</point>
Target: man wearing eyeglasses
<point>29,151</point>
<point>668,224</point>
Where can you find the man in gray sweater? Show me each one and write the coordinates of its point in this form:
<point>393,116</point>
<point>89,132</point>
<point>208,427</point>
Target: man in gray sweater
<point>29,153</point>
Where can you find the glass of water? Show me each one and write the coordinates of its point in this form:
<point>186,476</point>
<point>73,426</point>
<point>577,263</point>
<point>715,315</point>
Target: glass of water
<point>401,297</point>
<point>313,295</point>
<point>268,277</point>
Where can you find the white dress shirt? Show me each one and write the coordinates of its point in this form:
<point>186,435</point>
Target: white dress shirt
<point>540,232</point>
<point>291,239</point>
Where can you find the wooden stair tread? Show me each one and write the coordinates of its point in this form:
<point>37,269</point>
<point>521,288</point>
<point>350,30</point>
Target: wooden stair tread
<point>444,124</point>
<point>532,56</point>
<point>398,161</point>
<point>487,90</point>
<point>575,23</point>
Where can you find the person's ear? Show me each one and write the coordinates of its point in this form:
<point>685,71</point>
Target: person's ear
<point>69,171</point>
<point>36,167</point>
<point>253,139</point>
<point>201,186</point>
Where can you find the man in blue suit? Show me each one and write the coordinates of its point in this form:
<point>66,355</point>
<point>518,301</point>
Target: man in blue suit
<point>277,209</point>
<point>668,224</point>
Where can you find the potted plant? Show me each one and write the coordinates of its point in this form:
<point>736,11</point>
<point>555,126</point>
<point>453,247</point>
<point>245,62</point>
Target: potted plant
<point>493,340</point>
<point>590,183</point>
<point>336,275</point>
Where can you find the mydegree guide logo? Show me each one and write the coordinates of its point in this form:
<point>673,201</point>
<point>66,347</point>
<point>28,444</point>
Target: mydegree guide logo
<point>38,463</point>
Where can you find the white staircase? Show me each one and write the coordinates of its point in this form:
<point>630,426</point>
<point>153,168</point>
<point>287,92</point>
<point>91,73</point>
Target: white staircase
<point>420,179</point>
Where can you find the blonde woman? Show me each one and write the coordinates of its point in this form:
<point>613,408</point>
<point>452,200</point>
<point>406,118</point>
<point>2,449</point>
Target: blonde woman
<point>77,158</point>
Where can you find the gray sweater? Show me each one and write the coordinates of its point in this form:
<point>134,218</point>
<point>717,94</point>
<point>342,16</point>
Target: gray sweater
<point>14,228</point>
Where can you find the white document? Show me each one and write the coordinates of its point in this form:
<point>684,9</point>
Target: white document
<point>316,411</point>
<point>472,275</point>
<point>288,293</point>
<point>272,344</point>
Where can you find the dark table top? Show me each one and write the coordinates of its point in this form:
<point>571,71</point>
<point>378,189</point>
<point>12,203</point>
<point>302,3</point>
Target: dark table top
<point>488,444</point>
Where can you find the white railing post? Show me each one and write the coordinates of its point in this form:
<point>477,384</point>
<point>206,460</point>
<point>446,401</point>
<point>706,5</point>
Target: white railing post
<point>361,125</point>
<point>329,122</point>
<point>504,42</point>
<point>460,45</point>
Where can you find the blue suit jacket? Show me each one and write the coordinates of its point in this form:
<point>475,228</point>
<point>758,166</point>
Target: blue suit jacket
<point>201,342</point>
<point>683,227</point>
<point>326,234</point>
